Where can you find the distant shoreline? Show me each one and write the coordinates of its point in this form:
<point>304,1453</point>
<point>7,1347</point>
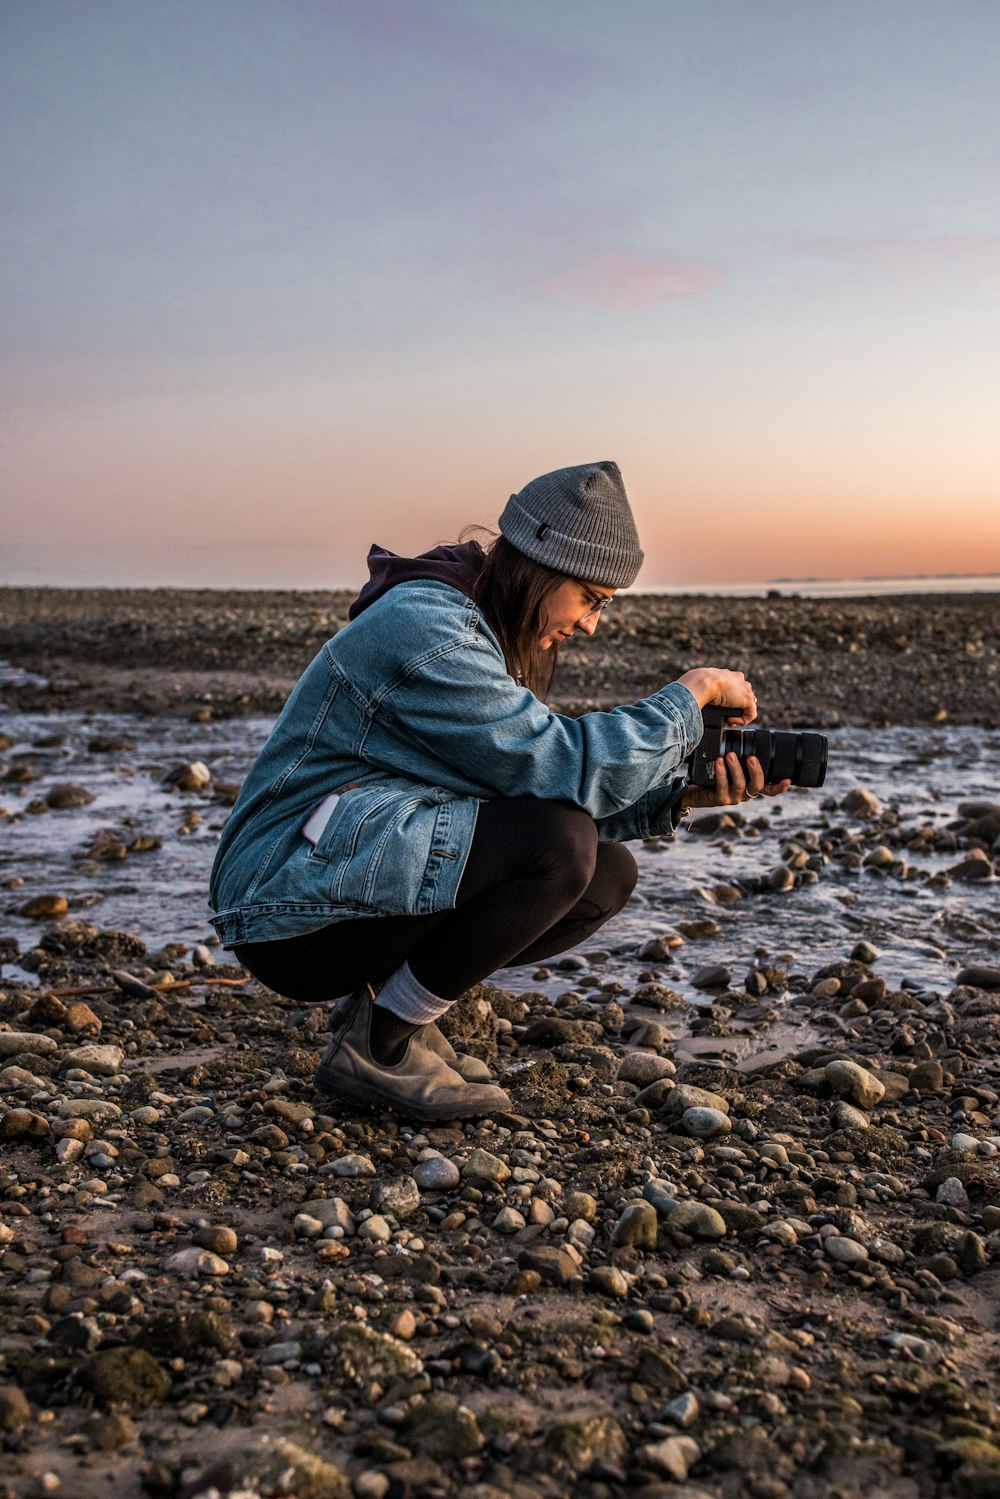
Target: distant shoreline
<point>920,658</point>
<point>875,586</point>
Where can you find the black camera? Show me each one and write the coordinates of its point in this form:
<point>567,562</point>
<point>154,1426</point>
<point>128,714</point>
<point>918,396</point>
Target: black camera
<point>800,758</point>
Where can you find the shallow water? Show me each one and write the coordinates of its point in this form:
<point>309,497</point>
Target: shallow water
<point>924,934</point>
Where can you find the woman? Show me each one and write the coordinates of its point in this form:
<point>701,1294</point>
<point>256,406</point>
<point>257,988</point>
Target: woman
<point>418,817</point>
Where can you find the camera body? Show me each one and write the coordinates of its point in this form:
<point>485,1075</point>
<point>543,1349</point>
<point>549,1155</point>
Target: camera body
<point>799,757</point>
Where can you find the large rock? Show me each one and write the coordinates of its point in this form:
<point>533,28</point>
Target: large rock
<point>697,1219</point>
<point>442,1428</point>
<point>861,803</point>
<point>126,1376</point>
<point>644,1067</point>
<point>193,776</point>
<point>398,1196</point>
<point>99,1061</point>
<point>673,1457</point>
<point>684,1097</point>
<point>484,1166</point>
<point>706,1124</point>
<point>554,1264</point>
<point>636,1227</point>
<point>331,1212</point>
<point>588,1440</point>
<point>274,1466</point>
<point>853,1082</point>
<point>367,1356</point>
<point>67,797</point>
<point>14,1042</point>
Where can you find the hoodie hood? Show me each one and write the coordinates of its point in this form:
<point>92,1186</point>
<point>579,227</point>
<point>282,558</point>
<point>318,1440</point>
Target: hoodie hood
<point>455,563</point>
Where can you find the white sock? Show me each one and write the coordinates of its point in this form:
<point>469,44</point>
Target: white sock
<point>406,997</point>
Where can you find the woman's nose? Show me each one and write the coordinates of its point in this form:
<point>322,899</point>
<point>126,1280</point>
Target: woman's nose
<point>589,625</point>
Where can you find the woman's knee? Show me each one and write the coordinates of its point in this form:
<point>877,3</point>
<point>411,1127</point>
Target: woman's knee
<point>615,876</point>
<point>526,837</point>
<point>565,846</point>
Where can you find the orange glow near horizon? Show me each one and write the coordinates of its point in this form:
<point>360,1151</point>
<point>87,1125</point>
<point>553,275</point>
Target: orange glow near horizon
<point>248,486</point>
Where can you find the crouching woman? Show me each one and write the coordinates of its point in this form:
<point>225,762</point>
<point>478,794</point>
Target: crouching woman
<point>419,818</point>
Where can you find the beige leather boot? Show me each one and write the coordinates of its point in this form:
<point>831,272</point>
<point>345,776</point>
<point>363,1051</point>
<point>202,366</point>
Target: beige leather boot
<point>420,1085</point>
<point>471,1068</point>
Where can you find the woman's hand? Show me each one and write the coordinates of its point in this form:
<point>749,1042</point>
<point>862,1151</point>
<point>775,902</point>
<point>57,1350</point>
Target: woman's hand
<point>731,785</point>
<point>711,685</point>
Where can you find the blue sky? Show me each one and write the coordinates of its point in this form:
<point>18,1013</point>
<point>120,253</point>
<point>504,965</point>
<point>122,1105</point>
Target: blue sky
<point>280,278</point>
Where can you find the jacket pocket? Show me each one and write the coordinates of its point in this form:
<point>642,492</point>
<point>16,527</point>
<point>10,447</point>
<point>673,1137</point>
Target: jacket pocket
<point>377,844</point>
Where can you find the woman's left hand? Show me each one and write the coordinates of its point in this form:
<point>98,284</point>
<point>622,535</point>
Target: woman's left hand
<point>731,785</point>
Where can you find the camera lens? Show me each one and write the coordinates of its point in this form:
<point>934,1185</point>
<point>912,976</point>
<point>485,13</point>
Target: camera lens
<point>800,758</point>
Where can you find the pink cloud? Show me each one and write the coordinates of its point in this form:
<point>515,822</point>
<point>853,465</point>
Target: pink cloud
<point>622,280</point>
<point>960,254</point>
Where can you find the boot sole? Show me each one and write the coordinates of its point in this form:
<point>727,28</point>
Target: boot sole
<point>338,1087</point>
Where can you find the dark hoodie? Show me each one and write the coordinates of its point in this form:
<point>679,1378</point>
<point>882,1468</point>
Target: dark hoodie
<point>456,563</point>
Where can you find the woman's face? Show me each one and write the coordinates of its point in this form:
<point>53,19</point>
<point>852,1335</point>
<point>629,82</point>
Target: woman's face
<point>572,606</point>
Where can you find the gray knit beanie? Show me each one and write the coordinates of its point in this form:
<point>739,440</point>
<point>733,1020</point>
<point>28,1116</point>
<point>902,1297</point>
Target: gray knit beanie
<point>578,522</point>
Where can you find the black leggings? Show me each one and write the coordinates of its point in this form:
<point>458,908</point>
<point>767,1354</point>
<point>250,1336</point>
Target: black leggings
<point>537,882</point>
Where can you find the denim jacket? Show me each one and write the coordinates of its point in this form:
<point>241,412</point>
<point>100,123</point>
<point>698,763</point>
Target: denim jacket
<point>411,705</point>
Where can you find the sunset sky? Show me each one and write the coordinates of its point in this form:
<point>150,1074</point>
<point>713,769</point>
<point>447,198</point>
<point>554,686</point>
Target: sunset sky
<point>280,279</point>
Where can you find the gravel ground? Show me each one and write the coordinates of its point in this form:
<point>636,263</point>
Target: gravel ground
<point>654,1277</point>
<point>819,662</point>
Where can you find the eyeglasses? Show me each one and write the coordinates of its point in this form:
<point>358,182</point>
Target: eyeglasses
<point>596,610</point>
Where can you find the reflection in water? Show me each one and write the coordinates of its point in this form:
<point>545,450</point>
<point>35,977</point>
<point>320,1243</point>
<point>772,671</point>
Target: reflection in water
<point>924,933</point>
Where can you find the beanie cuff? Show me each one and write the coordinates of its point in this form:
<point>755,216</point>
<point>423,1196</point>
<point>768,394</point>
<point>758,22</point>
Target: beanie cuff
<point>589,561</point>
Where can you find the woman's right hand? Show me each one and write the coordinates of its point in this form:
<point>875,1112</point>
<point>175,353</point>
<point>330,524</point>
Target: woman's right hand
<point>714,685</point>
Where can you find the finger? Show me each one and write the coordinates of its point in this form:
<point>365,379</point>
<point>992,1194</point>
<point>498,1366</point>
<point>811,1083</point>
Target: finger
<point>721,780</point>
<point>737,780</point>
<point>756,783</point>
<point>723,786</point>
<point>776,788</point>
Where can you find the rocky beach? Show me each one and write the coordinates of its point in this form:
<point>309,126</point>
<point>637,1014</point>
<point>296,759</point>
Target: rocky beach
<point>739,1234</point>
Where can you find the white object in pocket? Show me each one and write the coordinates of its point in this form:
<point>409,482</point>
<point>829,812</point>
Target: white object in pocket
<point>318,819</point>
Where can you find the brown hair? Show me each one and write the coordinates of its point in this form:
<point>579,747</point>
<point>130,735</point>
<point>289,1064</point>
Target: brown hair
<point>511,591</point>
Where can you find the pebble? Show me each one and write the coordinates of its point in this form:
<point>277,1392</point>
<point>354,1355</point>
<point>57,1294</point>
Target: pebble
<point>376,1228</point>
<point>330,1212</point>
<point>436,1174</point>
<point>861,803</point>
<point>853,1082</point>
<point>580,1205</point>
<point>706,1124</point>
<point>45,908</point>
<point>483,1166</point>
<point>399,1196</point>
<point>952,1193</point>
<point>644,1067</point>
<point>845,1251</point>
<point>101,1061</point>
<point>683,1096</point>
<point>66,796</point>
<point>697,1219</point>
<point>508,1221</point>
<point>712,976</point>
<point>352,1165</point>
<point>192,776</point>
<point>846,1116</point>
<point>608,1280</point>
<point>15,1412</point>
<point>196,1262</point>
<point>219,1238</point>
<point>637,1226</point>
<point>683,1411</point>
<point>674,1457</point>
<point>14,1042</point>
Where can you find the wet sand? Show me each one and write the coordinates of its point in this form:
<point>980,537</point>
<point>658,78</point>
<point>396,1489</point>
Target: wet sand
<point>906,660</point>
